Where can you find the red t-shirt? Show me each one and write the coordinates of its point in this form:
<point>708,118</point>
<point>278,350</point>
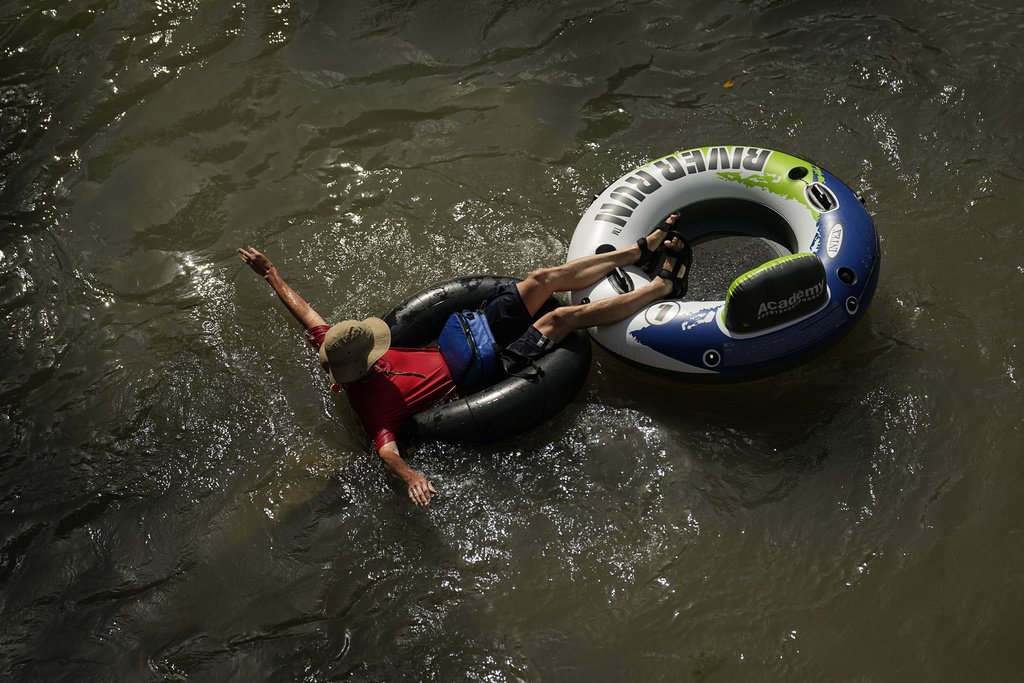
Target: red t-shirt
<point>384,401</point>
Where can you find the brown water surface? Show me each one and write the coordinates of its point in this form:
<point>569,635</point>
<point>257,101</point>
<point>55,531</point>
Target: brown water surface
<point>184,499</point>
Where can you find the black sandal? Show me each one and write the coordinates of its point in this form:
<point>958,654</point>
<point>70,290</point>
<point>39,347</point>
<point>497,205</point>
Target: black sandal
<point>649,257</point>
<point>684,257</point>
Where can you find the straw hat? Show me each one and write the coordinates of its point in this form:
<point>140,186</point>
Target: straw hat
<point>351,348</point>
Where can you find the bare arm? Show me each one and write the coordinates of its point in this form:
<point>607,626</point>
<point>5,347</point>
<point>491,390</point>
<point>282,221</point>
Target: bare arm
<point>420,489</point>
<point>295,304</point>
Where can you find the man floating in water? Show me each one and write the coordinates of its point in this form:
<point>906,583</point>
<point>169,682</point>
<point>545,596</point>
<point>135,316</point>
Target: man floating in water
<point>386,385</point>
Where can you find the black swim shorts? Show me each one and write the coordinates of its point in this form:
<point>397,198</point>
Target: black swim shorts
<point>507,315</point>
<point>512,326</point>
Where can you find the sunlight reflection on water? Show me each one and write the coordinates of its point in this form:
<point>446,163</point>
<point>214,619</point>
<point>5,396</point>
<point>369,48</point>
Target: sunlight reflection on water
<point>185,498</point>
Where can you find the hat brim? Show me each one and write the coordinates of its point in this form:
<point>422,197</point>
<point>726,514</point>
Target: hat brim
<point>349,372</point>
<point>381,339</point>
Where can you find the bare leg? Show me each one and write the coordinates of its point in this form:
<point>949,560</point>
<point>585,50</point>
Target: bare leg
<point>581,272</point>
<point>559,323</point>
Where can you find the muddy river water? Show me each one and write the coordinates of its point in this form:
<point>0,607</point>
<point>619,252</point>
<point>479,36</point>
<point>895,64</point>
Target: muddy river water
<point>183,498</point>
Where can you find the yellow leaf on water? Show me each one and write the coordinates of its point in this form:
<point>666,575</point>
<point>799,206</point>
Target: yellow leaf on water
<point>729,84</point>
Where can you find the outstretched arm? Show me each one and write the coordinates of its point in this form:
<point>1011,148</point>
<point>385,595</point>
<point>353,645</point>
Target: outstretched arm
<point>419,488</point>
<point>295,304</point>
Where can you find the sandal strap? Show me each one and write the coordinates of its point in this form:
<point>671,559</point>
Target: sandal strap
<point>665,225</point>
<point>648,257</point>
<point>683,258</point>
<point>684,255</point>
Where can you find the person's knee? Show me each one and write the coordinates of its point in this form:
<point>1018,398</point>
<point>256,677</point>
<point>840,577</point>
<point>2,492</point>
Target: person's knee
<point>536,289</point>
<point>557,324</point>
<point>543,277</point>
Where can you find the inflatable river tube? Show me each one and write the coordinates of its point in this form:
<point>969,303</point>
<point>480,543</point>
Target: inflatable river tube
<point>511,406</point>
<point>774,316</point>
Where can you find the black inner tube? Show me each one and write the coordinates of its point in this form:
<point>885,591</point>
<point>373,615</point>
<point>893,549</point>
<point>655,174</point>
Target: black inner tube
<point>512,405</point>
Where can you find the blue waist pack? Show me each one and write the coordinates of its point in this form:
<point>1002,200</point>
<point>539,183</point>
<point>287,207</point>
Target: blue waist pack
<point>469,349</point>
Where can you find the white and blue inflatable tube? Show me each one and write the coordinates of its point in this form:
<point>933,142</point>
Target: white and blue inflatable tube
<point>773,317</point>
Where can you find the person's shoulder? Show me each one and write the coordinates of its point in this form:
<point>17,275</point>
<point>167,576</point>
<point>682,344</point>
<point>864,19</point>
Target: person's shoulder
<point>316,334</point>
<point>423,362</point>
<point>402,350</point>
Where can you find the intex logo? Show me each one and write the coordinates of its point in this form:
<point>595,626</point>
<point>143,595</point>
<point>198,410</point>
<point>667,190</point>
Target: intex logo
<point>835,240</point>
<point>782,305</point>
